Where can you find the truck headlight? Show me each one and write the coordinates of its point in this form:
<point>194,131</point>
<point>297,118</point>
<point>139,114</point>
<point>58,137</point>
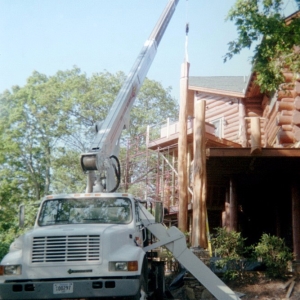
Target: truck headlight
<point>11,270</point>
<point>123,265</point>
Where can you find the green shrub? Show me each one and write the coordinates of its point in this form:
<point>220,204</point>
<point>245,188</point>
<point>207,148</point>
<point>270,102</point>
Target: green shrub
<point>3,249</point>
<point>228,244</point>
<point>229,247</point>
<point>275,254</point>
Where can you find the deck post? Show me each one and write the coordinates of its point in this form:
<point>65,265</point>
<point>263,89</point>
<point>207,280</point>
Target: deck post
<point>233,205</point>
<point>199,237</point>
<point>296,220</point>
<point>182,150</point>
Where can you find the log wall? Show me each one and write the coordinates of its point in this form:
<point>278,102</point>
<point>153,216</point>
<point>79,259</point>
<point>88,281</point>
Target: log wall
<point>270,126</point>
<point>279,123</point>
<point>224,108</point>
<point>288,111</point>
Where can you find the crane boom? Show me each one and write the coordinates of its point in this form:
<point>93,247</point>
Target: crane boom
<point>109,132</point>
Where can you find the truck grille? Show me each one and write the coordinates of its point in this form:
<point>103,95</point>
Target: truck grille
<point>66,248</point>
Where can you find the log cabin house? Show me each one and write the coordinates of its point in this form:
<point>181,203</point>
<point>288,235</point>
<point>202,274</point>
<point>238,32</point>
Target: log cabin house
<point>252,144</point>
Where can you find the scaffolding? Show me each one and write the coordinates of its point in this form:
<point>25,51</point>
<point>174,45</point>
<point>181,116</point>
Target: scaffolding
<point>151,174</point>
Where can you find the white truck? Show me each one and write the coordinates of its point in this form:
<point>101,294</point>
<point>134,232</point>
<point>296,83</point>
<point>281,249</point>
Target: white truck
<point>95,245</point>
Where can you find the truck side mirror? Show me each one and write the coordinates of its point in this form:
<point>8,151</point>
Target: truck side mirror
<point>159,212</point>
<point>21,215</point>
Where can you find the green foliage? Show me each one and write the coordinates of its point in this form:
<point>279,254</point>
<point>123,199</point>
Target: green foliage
<point>157,102</point>
<point>229,246</point>
<point>260,23</point>
<point>275,254</point>
<point>3,249</point>
<point>45,126</point>
<point>67,174</point>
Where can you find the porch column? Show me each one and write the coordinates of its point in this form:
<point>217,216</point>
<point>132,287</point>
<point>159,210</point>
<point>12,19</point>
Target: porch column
<point>199,237</point>
<point>296,219</point>
<point>182,150</point>
<point>233,204</point>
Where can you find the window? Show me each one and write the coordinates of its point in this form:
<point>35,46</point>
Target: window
<point>82,210</point>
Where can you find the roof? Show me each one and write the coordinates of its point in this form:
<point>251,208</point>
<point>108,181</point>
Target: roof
<point>237,84</point>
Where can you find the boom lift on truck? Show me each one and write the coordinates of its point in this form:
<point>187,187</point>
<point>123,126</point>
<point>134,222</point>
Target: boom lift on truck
<point>94,245</point>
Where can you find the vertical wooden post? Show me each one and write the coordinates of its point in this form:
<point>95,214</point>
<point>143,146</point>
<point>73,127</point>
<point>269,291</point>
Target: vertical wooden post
<point>189,160</point>
<point>226,217</point>
<point>163,182</point>
<point>167,194</point>
<point>255,135</point>
<point>157,198</point>
<point>199,237</point>
<point>296,219</point>
<point>182,150</point>
<point>147,160</point>
<point>173,180</point>
<point>226,212</point>
<point>242,123</point>
<point>233,205</point>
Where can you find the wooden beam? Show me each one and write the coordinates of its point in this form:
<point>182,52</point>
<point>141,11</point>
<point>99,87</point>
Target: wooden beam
<point>245,152</point>
<point>233,205</point>
<point>242,122</point>
<point>182,151</point>
<point>218,92</point>
<point>226,216</point>
<point>199,238</point>
<point>255,136</point>
<point>296,219</point>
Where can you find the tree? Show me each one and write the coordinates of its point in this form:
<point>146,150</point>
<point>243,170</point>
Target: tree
<point>46,125</point>
<point>261,22</point>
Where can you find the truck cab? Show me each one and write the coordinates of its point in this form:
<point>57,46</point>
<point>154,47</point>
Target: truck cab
<point>82,246</point>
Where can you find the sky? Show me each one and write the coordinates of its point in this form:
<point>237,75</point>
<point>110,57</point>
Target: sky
<point>107,35</point>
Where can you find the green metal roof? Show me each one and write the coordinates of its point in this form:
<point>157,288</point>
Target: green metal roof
<point>236,84</point>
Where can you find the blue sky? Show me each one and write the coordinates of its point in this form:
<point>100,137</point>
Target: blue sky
<point>98,35</point>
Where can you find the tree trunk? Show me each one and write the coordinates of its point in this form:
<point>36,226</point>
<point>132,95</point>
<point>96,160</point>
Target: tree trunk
<point>182,151</point>
<point>199,237</point>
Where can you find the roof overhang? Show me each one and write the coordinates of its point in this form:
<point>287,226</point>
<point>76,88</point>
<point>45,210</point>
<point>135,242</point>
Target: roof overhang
<point>215,91</point>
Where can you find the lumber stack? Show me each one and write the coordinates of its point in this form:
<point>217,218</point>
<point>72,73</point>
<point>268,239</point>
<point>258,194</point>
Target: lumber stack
<point>288,107</point>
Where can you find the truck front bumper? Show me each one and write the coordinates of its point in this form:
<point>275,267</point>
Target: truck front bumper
<point>75,288</point>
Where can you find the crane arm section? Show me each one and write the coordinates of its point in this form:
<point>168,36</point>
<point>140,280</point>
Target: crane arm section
<point>175,241</point>
<point>109,131</point>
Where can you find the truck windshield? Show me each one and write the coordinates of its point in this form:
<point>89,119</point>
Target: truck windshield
<point>85,210</point>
